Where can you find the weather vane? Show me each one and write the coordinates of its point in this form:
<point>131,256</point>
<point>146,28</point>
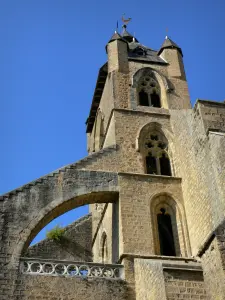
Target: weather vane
<point>125,21</point>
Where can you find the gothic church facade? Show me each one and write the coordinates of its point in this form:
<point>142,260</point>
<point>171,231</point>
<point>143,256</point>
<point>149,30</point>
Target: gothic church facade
<point>154,182</point>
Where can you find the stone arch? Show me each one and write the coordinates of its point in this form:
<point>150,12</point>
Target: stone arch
<point>164,84</point>
<point>76,188</point>
<point>179,226</point>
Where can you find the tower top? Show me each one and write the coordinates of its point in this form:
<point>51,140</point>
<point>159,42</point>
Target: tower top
<point>116,36</point>
<point>125,34</point>
<point>128,36</point>
<point>169,44</point>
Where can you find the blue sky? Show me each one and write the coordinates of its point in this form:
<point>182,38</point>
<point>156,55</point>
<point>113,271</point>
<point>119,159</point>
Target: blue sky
<point>50,54</point>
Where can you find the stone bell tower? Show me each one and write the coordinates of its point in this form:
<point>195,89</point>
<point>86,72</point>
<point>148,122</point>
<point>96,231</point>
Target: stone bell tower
<point>130,123</point>
<point>142,123</point>
<point>154,183</point>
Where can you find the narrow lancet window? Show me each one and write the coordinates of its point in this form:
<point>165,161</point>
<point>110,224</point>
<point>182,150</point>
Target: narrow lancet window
<point>151,164</point>
<point>155,100</point>
<point>166,239</point>
<point>165,165</point>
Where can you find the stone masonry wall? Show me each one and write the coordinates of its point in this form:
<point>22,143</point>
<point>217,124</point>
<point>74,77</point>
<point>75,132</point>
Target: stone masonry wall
<point>181,284</point>
<point>52,288</point>
<point>160,279</point>
<point>136,223</point>
<point>105,227</point>
<point>190,157</point>
<point>110,138</point>
<point>213,263</point>
<point>214,275</point>
<point>177,98</point>
<point>107,220</point>
<point>75,244</point>
<point>199,161</point>
<point>149,280</point>
<point>126,158</point>
<point>128,126</point>
<point>106,105</point>
<point>27,210</point>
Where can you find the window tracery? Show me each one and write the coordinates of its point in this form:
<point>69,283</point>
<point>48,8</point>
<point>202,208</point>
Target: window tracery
<point>155,151</point>
<point>149,92</point>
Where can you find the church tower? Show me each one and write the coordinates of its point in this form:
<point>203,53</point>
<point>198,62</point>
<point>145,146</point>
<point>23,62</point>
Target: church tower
<point>135,91</point>
<point>142,122</point>
<point>154,183</point>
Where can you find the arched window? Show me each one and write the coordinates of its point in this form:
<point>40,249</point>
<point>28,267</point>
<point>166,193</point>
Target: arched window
<point>165,231</point>
<point>170,236</point>
<point>155,152</point>
<point>149,92</point>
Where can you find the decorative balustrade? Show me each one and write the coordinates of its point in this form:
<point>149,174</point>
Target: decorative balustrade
<point>70,269</point>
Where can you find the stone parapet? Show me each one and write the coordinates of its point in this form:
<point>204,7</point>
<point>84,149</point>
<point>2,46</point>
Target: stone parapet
<point>161,279</point>
<point>212,114</point>
<point>37,266</point>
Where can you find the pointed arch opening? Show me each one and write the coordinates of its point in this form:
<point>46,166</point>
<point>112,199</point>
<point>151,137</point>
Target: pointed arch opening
<point>169,227</point>
<point>148,91</point>
<point>154,148</point>
<point>154,84</point>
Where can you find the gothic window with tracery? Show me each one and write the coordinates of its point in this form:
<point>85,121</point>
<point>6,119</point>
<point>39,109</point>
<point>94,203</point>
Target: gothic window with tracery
<point>149,92</point>
<point>155,150</point>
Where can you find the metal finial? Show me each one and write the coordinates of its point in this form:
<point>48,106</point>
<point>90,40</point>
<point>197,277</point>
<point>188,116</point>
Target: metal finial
<point>167,33</point>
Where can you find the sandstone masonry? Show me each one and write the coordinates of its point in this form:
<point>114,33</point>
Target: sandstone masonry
<point>154,183</point>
